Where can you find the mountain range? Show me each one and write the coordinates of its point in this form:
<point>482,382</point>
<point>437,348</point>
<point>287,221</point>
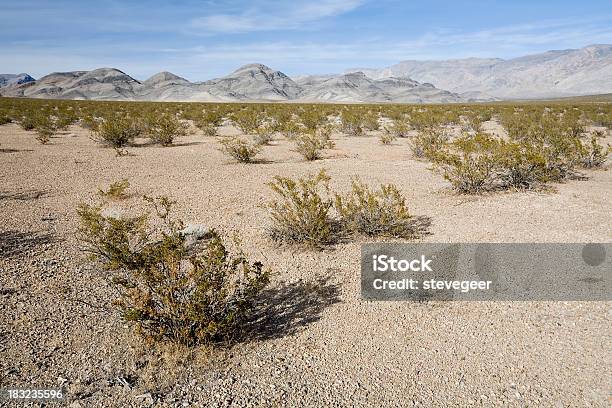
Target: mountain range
<point>551,74</point>
<point>583,71</point>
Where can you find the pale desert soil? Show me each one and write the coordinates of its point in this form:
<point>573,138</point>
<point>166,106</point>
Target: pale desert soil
<point>325,346</point>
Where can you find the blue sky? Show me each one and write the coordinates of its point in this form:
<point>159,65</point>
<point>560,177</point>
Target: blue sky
<point>203,39</point>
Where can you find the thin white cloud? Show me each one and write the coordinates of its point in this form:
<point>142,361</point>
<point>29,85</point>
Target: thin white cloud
<point>294,57</point>
<point>273,15</point>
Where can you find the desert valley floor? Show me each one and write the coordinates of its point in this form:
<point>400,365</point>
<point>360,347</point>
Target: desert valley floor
<point>324,346</point>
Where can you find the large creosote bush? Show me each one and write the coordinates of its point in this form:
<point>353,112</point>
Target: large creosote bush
<point>169,287</point>
<point>301,213</point>
<point>117,131</point>
<point>377,213</point>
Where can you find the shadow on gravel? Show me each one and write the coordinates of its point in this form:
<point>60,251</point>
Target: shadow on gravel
<point>14,150</point>
<point>23,195</point>
<point>420,225</point>
<point>288,308</point>
<point>15,243</point>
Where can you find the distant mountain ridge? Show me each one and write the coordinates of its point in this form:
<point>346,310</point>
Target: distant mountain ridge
<point>14,79</point>
<point>573,72</point>
<point>585,71</point>
<point>251,82</point>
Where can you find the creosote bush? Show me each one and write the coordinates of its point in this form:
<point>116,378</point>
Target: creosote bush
<point>117,131</point>
<point>520,165</point>
<point>310,145</point>
<point>209,123</point>
<point>376,213</point>
<point>427,142</point>
<point>303,212</point>
<point>239,149</point>
<point>28,122</point>
<point>116,190</point>
<point>593,154</point>
<point>247,120</point>
<point>387,137</point>
<point>264,134</point>
<point>170,290</point>
<point>301,215</point>
<point>165,128</point>
<point>398,128</point>
<point>468,163</point>
<point>351,123</point>
<point>43,134</point>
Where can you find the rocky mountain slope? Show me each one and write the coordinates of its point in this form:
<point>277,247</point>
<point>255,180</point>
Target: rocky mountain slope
<point>99,84</point>
<point>357,87</point>
<point>582,71</point>
<point>14,79</point>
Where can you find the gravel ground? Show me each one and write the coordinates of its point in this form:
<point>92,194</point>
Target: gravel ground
<point>326,346</point>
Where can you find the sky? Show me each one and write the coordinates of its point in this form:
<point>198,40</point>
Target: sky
<point>200,40</point>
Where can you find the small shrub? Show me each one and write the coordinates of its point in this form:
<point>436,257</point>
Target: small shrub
<point>312,118</point>
<point>239,149</point>
<point>164,129</point>
<point>370,121</point>
<point>301,215</point>
<point>562,154</point>
<point>168,291</point>
<point>28,123</point>
<point>399,128</point>
<point>117,131</point>
<point>468,163</point>
<point>116,190</point>
<point>209,123</point>
<point>520,165</point>
<point>427,142</point>
<point>4,120</point>
<point>387,138</point>
<point>208,129</point>
<point>593,154</point>
<point>89,122</point>
<point>264,134</point>
<point>43,134</point>
<point>376,213</point>
<point>290,129</point>
<point>310,145</point>
<point>247,120</point>
<point>351,123</point>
